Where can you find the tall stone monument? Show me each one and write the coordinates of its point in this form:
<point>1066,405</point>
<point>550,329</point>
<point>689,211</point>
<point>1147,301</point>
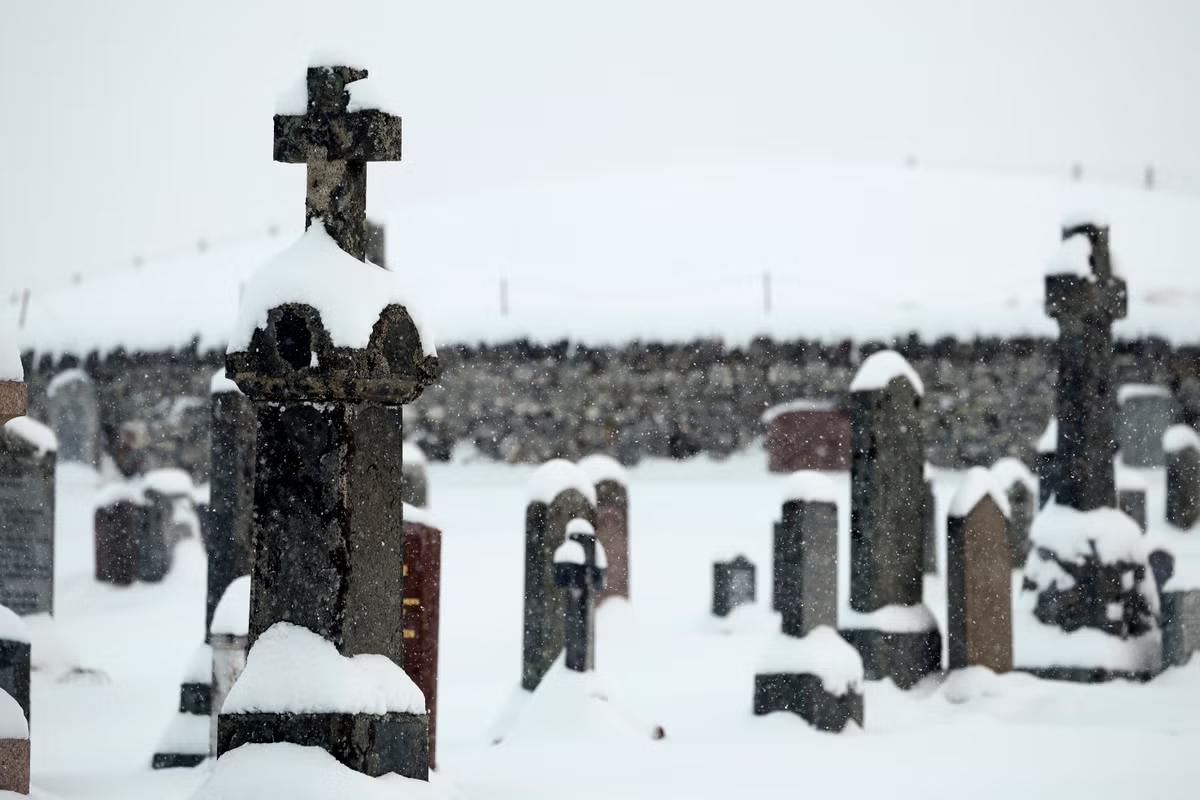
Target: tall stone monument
<point>328,353</point>
<point>892,629</point>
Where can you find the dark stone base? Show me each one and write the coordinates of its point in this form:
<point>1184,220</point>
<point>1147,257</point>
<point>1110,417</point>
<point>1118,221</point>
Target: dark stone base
<point>14,672</point>
<point>371,744</point>
<point>906,658</point>
<point>173,760</point>
<point>1086,674</point>
<point>195,698</point>
<point>1180,626</point>
<point>806,696</point>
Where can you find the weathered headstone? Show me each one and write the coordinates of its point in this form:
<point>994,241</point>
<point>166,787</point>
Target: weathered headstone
<point>807,435</point>
<point>121,516</point>
<point>612,520</point>
<point>171,517</point>
<point>129,446</point>
<point>1021,488</point>
<point>229,522</point>
<point>558,493</point>
<point>979,575</point>
<point>14,747</point>
<point>1045,462</point>
<point>1180,626</point>
<point>186,741</point>
<point>416,479</point>
<point>328,353</point>
<point>27,460</point>
<point>929,522</point>
<point>422,610</point>
<point>228,636</point>
<point>74,413</point>
<point>1131,497</point>
<point>806,554</point>
<point>1146,411</point>
<point>735,584</point>
<point>891,628</point>
<point>14,659</point>
<point>580,568</point>
<point>1182,446</point>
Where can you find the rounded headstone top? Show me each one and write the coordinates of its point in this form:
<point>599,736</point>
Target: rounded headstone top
<point>570,552</point>
<point>557,476</point>
<point>232,614</point>
<point>822,652</point>
<point>420,516</point>
<point>12,627</point>
<point>600,467</point>
<point>33,433</point>
<point>170,481</point>
<point>978,483</point>
<point>1176,438</point>
<point>880,369</point>
<point>1137,391</point>
<point>809,486</point>
<point>65,378</point>
<point>13,724</point>
<point>1009,471</point>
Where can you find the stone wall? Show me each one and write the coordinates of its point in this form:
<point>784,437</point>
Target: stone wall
<point>521,402</point>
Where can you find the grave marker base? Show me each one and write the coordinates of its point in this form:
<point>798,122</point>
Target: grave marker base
<point>906,658</point>
<point>806,696</point>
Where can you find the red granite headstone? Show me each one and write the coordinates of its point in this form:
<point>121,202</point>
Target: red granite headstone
<point>422,555</point>
<point>807,435</point>
<point>118,529</point>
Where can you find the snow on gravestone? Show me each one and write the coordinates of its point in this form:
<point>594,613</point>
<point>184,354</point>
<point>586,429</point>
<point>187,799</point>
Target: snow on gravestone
<point>1020,487</point>
<point>889,624</point>
<point>805,554</point>
<point>74,413</point>
<point>818,676</point>
<point>979,575</point>
<point>612,519</point>
<point>1181,444</point>
<point>15,659</point>
<point>1045,461</point>
<point>580,570</point>
<point>228,635</point>
<point>1131,497</point>
<point>1145,413</point>
<point>14,746</point>
<point>558,493</point>
<point>328,351</point>
<point>27,462</point>
<point>186,740</point>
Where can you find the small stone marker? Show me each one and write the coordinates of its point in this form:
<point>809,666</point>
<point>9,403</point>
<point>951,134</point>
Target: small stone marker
<point>807,435</point>
<point>612,520</point>
<point>74,413</point>
<point>14,746</point>
<point>581,568</point>
<point>415,483</point>
<point>1044,463</point>
<point>558,493</point>
<point>818,676</point>
<point>171,517</point>
<point>1131,497</point>
<point>1020,486</point>
<point>1180,626</point>
<point>27,462</point>
<point>121,516</point>
<point>422,610</point>
<point>229,638</point>
<point>806,554</point>
<point>1145,413</point>
<point>1182,446</point>
<point>979,576</point>
<point>887,532</point>
<point>186,741</point>
<point>734,584</point>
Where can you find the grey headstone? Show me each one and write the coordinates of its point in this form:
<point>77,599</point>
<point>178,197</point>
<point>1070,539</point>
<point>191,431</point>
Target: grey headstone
<point>805,569</point>
<point>1133,503</point>
<point>1183,486</point>
<point>734,584</point>
<point>26,519</point>
<point>929,527</point>
<point>1181,626</point>
<point>74,414</point>
<point>1146,412</point>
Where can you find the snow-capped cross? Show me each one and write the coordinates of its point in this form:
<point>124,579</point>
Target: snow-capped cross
<point>336,142</point>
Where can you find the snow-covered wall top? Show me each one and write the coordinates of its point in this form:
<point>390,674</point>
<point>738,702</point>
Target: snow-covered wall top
<point>881,368</point>
<point>1177,437</point>
<point>978,483</point>
<point>728,224</point>
<point>773,413</point>
<point>600,467</point>
<point>349,294</point>
<point>809,487</point>
<point>822,652</point>
<point>556,476</point>
<point>33,432</point>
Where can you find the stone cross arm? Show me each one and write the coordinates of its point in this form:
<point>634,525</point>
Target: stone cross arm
<point>368,135</point>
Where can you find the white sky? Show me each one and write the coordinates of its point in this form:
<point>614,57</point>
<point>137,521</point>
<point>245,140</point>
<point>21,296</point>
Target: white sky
<point>139,126</point>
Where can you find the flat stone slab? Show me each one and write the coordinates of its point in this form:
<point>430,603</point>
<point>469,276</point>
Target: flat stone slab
<point>176,760</point>
<point>906,658</point>
<point>806,696</point>
<point>1087,674</point>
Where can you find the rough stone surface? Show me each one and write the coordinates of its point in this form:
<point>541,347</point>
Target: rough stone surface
<point>1143,419</point>
<point>906,658</point>
<point>73,411</point>
<point>734,584</point>
<point>373,744</point>
<point>815,437</point>
<point>228,525</point>
<point>1133,503</point>
<point>14,765</point>
<point>1183,488</point>
<point>14,673</point>
<point>26,526</point>
<point>12,400</point>
<point>612,531</point>
<point>118,530</point>
<point>422,551</point>
<point>806,696</point>
<point>1180,626</point>
<point>545,531</point>
<point>805,566</point>
<point>929,528</point>
<point>979,589</point>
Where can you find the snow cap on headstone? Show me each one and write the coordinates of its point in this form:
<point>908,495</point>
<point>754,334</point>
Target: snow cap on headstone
<point>600,467</point>
<point>12,627</point>
<point>557,476</point>
<point>978,483</point>
<point>220,383</point>
<point>1176,438</point>
<point>232,615</point>
<point>809,486</point>
<point>882,368</point>
<point>413,455</point>
<point>570,552</point>
<point>1009,471</point>
<point>40,437</point>
<point>1073,257</point>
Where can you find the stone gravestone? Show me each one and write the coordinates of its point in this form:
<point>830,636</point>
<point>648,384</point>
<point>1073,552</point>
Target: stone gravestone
<point>171,517</point>
<point>1020,487</point>
<point>27,459</point>
<point>328,370</point>
<point>1180,626</point>
<point>1131,497</point>
<point>807,435</point>
<point>929,522</point>
<point>580,568</point>
<point>890,626</point>
<point>1146,411</point>
<point>734,584</point>
<point>422,610</point>
<point>228,636</point>
<point>14,659</point>
<point>228,525</point>
<point>979,575</point>
<point>1045,462</point>
<point>1108,586</point>
<point>74,413</point>
<point>121,515</point>
<point>805,554</point>
<point>416,479</point>
<point>1182,446</point>
<point>186,741</point>
<point>558,493</point>
<point>612,520</point>
<point>14,747</point>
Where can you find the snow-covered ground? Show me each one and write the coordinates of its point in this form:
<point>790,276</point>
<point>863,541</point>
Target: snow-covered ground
<point>660,657</point>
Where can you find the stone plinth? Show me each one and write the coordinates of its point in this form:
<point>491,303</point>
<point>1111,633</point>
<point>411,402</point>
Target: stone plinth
<point>905,657</point>
<point>817,676</point>
<point>807,435</point>
<point>27,497</point>
<point>806,696</point>
<point>979,588</point>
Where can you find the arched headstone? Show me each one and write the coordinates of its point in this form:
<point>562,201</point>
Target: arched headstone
<point>74,413</point>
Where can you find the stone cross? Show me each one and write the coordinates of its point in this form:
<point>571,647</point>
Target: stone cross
<point>336,143</point>
<point>1085,307</point>
<point>581,568</point>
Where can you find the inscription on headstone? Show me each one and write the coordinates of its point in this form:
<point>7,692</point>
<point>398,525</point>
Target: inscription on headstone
<point>27,459</point>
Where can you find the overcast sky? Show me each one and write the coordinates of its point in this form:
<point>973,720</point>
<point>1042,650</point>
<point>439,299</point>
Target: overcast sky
<point>138,126</point>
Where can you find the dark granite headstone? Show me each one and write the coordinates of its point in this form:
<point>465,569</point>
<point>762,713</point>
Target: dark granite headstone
<point>422,612</point>
<point>612,520</point>
<point>1146,411</point>
<point>806,556</point>
<point>734,584</point>
<point>27,460</point>
<point>1183,476</point>
<point>74,413</point>
<point>580,569</point>
<point>171,517</point>
<point>14,660</point>
<point>978,580</point>
<point>790,679</point>
<point>1180,626</point>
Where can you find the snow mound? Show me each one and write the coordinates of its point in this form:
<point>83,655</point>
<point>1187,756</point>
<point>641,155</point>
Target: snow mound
<point>556,476</point>
<point>12,627</point>
<point>413,455</point>
<point>978,483</point>
<point>1082,217</point>
<point>220,384</point>
<point>822,652</point>
<point>13,724</point>
<point>570,552</point>
<point>1133,391</point>
<point>256,771</point>
<point>748,619</point>
<point>232,614</point>
<point>29,430</point>
<point>186,733</point>
<point>890,619</point>
<point>1073,257</point>
<point>292,669</point>
<point>1037,645</point>
<point>1009,471</point>
<point>67,376</point>
<point>170,481</point>
<point>1176,438</point>
<point>199,668</point>
<point>50,651</point>
<point>1073,534</point>
<point>808,486</point>
<point>600,467</point>
<point>1048,441</point>
<point>349,294</point>
<point>774,412</point>
<point>976,683</point>
<point>882,368</point>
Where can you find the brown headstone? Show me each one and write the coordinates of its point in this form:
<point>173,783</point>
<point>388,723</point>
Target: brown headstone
<point>120,517</point>
<point>14,765</point>
<point>807,435</point>
<point>612,520</point>
<point>422,554</point>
